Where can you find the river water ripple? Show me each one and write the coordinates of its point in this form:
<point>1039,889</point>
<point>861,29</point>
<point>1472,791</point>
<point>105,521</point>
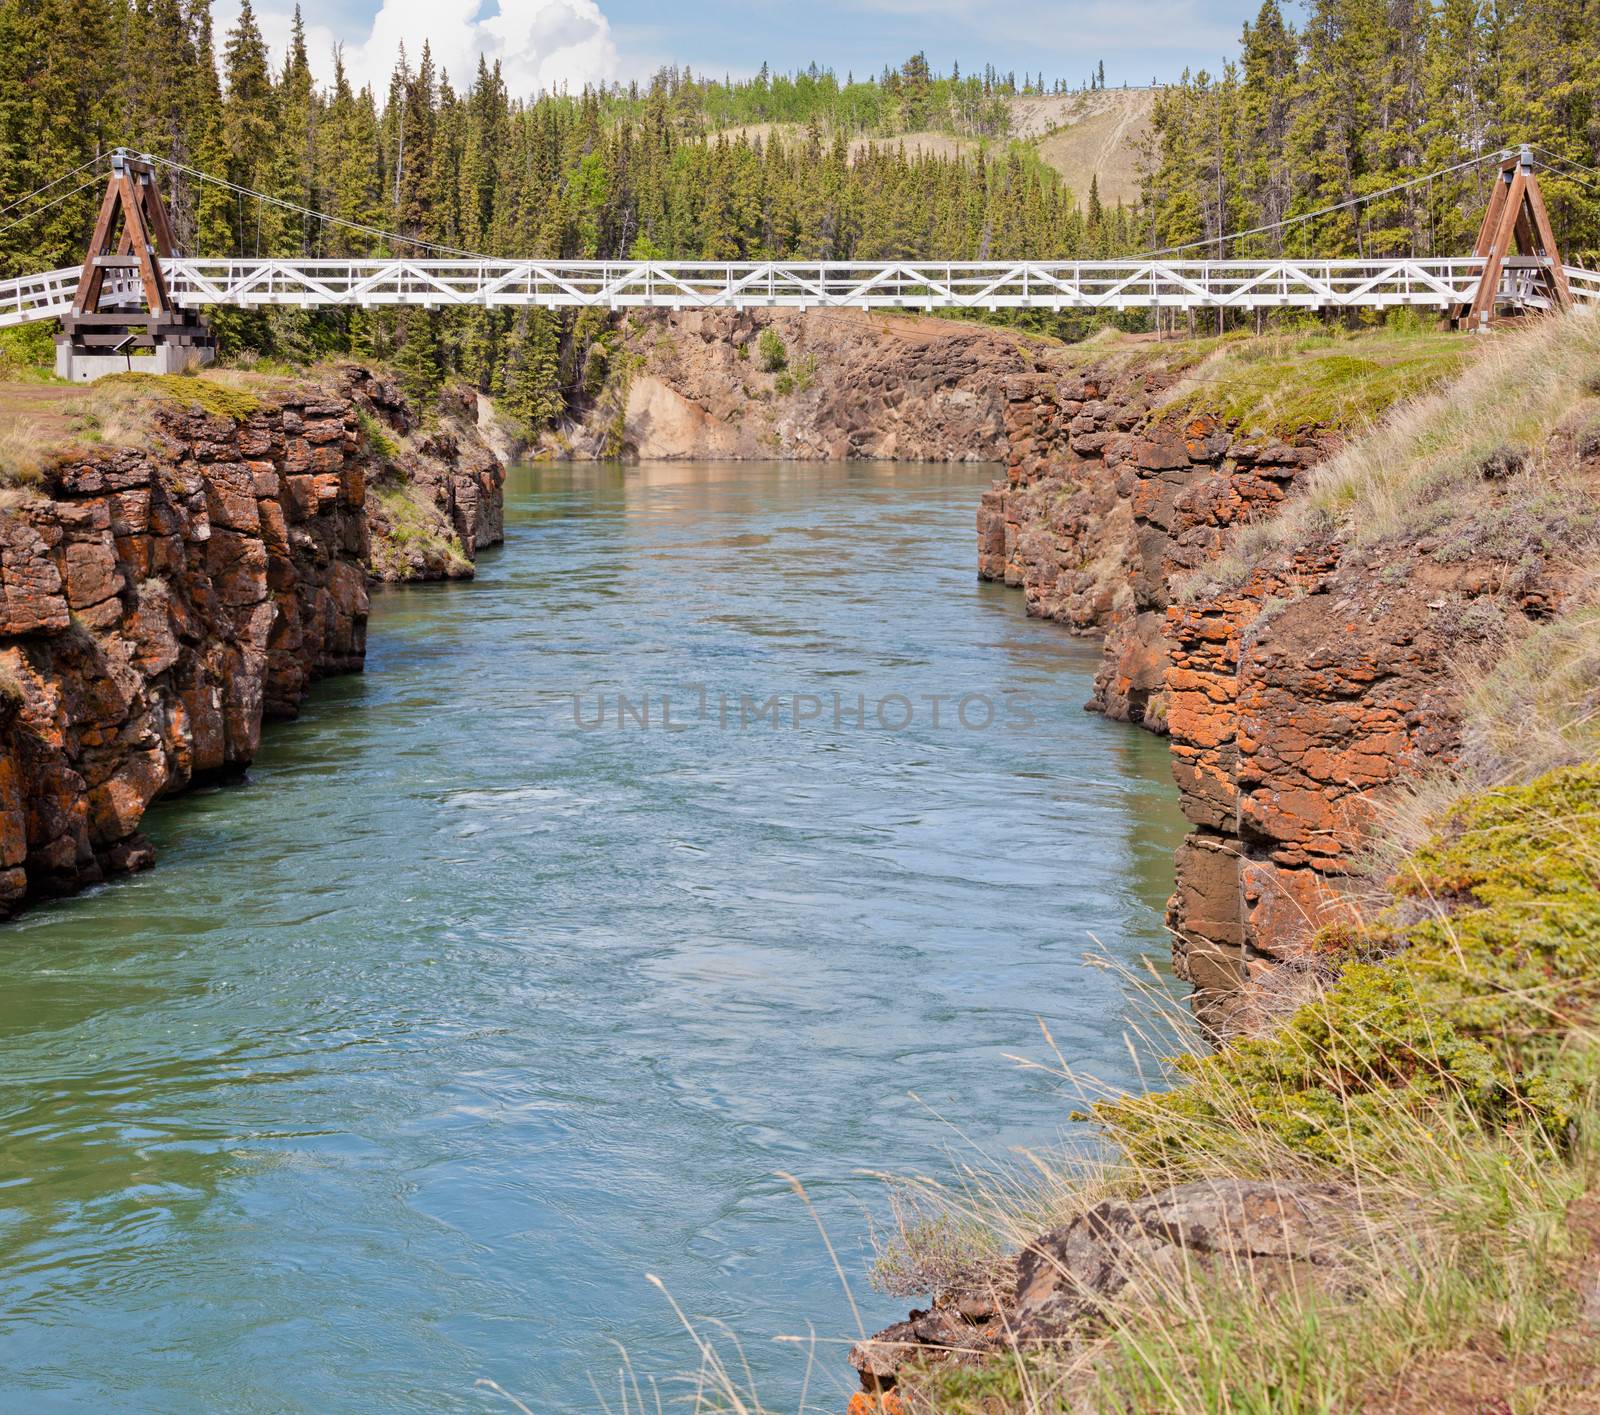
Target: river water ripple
<point>422,1046</point>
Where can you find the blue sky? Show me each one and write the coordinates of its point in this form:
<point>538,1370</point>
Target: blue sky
<point>1138,39</point>
<point>546,42</point>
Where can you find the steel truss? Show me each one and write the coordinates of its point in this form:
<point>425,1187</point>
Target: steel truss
<point>195,284</point>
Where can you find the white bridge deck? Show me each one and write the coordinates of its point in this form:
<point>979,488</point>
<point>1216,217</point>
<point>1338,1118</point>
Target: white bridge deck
<point>1044,285</point>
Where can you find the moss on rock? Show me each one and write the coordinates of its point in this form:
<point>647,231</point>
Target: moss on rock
<point>1495,937</point>
<point>207,394</point>
<point>412,538</point>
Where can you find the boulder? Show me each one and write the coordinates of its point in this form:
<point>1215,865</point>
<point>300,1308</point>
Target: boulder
<point>1264,1234</point>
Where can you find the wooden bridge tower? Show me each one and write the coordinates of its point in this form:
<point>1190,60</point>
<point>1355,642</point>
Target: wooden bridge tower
<point>122,315</point>
<point>1515,239</point>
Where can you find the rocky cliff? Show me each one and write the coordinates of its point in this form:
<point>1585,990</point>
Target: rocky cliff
<point>852,385</point>
<point>1308,681</point>
<point>1295,687</point>
<point>1318,628</point>
<point>1109,499</point>
<point>436,497</point>
<point>1110,495</point>
<point>160,600</point>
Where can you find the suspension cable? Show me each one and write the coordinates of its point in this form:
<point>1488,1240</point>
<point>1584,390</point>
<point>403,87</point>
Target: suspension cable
<point>64,177</point>
<point>392,237</point>
<point>1570,161</point>
<point>1568,176</point>
<point>40,210</point>
<point>1499,156</point>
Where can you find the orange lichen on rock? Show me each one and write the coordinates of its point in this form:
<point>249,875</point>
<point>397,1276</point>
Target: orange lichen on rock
<point>886,1403</point>
<point>1295,692</point>
<point>155,606</point>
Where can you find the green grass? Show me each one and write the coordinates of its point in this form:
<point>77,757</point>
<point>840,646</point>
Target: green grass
<point>1287,384</point>
<point>1446,1085</point>
<point>410,523</point>
<point>376,436</point>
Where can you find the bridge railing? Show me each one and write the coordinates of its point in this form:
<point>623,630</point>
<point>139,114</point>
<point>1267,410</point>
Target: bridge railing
<point>42,296</point>
<point>49,294</point>
<point>1048,285</point>
<point>1584,284</point>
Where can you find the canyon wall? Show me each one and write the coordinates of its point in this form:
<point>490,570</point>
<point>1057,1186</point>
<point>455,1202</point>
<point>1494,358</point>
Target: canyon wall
<point>160,601</point>
<point>437,493</point>
<point>1293,690</point>
<point>854,385</point>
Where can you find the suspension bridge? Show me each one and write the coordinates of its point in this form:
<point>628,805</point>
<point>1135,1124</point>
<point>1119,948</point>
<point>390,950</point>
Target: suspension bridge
<point>137,301</point>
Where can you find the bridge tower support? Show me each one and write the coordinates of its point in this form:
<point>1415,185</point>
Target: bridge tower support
<point>122,316</point>
<point>1515,239</point>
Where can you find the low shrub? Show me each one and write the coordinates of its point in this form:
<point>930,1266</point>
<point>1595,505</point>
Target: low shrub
<point>376,436</point>
<point>1496,932</point>
<point>774,356</point>
<point>27,351</point>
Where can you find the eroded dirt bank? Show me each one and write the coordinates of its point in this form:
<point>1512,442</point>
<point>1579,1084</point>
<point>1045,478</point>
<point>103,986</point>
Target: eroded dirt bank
<point>160,600</point>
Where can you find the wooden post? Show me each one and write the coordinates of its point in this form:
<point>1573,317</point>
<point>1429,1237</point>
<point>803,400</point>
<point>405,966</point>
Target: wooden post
<point>131,233</point>
<point>1516,222</point>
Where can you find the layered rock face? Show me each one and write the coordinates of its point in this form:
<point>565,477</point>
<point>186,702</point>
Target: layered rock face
<point>158,604</point>
<point>1293,697</point>
<point>1260,1236</point>
<point>438,498</point>
<point>856,385</point>
<point>1106,503</point>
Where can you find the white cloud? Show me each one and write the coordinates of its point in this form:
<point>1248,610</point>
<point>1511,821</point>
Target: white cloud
<point>541,44</point>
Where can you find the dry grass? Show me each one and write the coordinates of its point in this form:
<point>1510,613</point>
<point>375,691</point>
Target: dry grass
<point>1424,464</point>
<point>1527,708</point>
<point>24,453</point>
<point>1120,354</point>
<point>1538,707</point>
<point>1459,1201</point>
<point>41,422</point>
<point>1091,137</point>
<point>1467,1235</point>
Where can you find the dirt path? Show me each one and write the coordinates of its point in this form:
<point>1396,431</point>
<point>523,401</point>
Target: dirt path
<point>44,410</point>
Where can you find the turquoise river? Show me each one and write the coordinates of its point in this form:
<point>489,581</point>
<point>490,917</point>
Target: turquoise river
<point>470,1007</point>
